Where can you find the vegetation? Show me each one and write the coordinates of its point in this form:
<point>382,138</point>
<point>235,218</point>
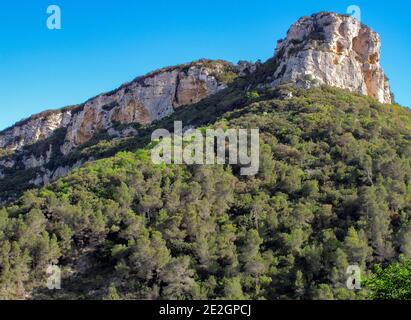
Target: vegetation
<point>392,282</point>
<point>333,190</point>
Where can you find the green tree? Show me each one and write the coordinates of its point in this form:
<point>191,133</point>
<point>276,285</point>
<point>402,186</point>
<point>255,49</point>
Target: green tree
<point>356,247</point>
<point>233,289</point>
<point>178,278</point>
<point>392,282</point>
<point>112,293</point>
<point>374,210</point>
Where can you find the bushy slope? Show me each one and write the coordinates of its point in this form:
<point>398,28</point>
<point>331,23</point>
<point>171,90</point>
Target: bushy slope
<point>333,190</point>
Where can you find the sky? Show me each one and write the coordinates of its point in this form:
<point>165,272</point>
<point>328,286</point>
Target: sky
<point>103,44</point>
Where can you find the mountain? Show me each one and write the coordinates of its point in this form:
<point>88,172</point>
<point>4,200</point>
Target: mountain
<point>142,101</point>
<point>333,190</point>
<point>334,50</point>
<point>324,49</point>
<point>35,144</point>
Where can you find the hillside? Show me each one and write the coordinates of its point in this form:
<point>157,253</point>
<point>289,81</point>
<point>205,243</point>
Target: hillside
<point>323,49</point>
<point>33,151</point>
<point>333,189</point>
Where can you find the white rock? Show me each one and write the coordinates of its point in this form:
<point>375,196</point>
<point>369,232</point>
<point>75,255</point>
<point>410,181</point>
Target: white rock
<point>335,50</point>
<point>142,101</point>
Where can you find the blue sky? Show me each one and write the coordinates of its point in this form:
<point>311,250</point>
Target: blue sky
<point>103,44</point>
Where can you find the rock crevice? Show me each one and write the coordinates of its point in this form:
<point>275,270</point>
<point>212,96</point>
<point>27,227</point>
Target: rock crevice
<point>323,49</point>
<point>144,100</point>
<point>335,50</point>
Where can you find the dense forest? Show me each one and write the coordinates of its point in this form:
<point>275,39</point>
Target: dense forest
<point>333,190</point>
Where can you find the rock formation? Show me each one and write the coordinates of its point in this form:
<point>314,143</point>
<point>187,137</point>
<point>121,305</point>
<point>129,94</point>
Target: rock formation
<point>35,128</point>
<point>142,101</point>
<point>335,50</point>
<point>325,48</point>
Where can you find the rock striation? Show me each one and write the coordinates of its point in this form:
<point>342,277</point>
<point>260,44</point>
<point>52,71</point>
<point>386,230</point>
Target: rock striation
<point>323,49</point>
<point>335,50</point>
<point>36,128</point>
<point>144,100</point>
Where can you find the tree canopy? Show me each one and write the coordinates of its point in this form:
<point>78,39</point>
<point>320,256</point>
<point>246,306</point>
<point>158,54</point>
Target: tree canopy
<point>333,190</point>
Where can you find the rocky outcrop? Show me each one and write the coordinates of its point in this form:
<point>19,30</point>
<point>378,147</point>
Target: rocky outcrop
<point>147,99</point>
<point>144,100</point>
<point>32,161</point>
<point>33,150</point>
<point>35,128</point>
<point>335,50</point>
<point>325,48</point>
<point>46,176</point>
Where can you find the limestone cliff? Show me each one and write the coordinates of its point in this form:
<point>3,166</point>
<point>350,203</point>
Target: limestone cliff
<point>332,49</point>
<point>29,150</point>
<point>142,101</point>
<point>325,48</point>
<point>35,128</point>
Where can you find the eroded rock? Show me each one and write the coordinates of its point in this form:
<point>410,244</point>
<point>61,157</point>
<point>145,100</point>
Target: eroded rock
<point>335,50</point>
<point>148,98</point>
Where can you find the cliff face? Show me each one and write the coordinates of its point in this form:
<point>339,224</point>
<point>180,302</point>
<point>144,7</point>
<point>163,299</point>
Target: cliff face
<point>33,129</point>
<point>142,101</point>
<point>335,50</point>
<point>29,149</point>
<point>326,48</point>
<point>147,99</point>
